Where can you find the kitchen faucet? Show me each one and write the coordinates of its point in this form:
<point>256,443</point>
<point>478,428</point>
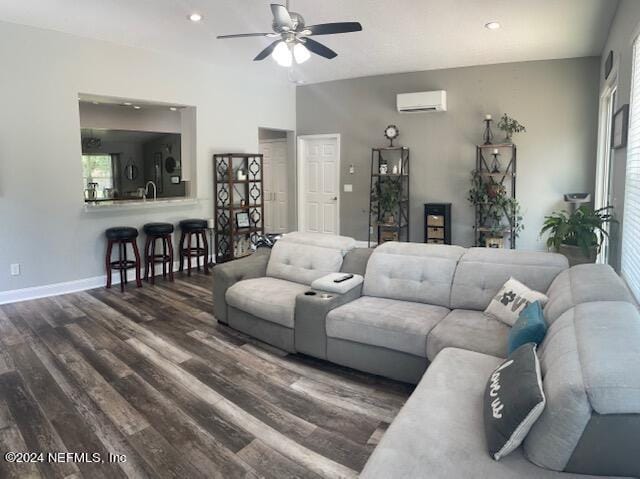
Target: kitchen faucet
<point>146,190</point>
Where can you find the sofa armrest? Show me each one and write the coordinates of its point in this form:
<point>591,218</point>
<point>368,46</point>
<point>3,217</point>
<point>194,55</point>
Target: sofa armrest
<point>310,319</point>
<point>226,275</point>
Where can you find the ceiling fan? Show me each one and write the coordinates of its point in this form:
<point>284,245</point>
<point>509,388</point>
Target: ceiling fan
<point>292,37</point>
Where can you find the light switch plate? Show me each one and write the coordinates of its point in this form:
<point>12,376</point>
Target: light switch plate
<point>15,269</point>
<point>348,188</point>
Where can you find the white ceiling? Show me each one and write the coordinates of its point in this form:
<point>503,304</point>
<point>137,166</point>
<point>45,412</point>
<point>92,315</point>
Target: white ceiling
<point>397,36</point>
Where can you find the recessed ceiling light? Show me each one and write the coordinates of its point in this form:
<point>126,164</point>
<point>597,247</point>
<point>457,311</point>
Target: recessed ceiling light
<point>136,107</point>
<point>492,25</point>
<point>195,17</point>
<point>127,103</point>
<point>96,102</point>
<point>173,108</point>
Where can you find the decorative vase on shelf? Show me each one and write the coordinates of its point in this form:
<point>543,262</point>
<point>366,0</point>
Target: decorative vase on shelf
<point>509,137</point>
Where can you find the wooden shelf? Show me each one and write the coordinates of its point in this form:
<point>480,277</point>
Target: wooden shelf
<point>486,229</point>
<point>240,208</point>
<point>499,173</point>
<point>497,145</point>
<point>225,177</point>
<point>396,175</point>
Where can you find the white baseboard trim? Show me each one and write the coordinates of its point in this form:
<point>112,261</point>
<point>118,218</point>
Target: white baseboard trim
<point>56,289</point>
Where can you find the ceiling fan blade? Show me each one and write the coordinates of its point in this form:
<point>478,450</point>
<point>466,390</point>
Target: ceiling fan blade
<point>241,35</point>
<point>319,49</point>
<point>281,16</point>
<point>266,52</point>
<point>331,28</point>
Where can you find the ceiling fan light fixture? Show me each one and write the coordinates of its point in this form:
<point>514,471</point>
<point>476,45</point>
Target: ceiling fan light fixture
<point>300,53</point>
<point>282,55</point>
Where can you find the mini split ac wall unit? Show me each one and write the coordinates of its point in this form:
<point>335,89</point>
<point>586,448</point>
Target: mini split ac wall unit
<point>422,102</point>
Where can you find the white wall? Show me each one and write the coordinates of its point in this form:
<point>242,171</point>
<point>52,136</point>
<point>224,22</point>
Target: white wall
<point>44,226</point>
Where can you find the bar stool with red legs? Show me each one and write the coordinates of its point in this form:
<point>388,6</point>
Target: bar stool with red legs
<point>194,228</point>
<point>155,232</point>
<point>122,236</point>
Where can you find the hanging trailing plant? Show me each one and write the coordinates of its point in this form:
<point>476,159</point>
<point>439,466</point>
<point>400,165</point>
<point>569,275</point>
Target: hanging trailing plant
<point>497,211</point>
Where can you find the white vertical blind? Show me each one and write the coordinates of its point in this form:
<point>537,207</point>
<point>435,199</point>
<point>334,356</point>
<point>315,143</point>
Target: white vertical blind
<point>631,221</point>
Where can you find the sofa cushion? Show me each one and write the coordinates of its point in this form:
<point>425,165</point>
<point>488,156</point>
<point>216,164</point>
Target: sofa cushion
<point>439,433</point>
<point>267,298</point>
<point>302,263</point>
<point>511,300</point>
<point>583,284</point>
<point>389,323</point>
<point>412,272</point>
<point>513,401</point>
<point>344,244</point>
<point>590,361</point>
<point>472,330</point>
<point>481,272</point>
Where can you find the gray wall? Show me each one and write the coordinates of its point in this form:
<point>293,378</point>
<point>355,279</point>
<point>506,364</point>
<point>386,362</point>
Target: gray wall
<point>624,28</point>
<point>557,101</point>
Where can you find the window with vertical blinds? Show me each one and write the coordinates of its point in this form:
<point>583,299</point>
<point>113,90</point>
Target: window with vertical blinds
<point>631,220</point>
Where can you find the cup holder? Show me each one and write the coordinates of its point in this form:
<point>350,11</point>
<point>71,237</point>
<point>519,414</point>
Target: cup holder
<point>310,293</point>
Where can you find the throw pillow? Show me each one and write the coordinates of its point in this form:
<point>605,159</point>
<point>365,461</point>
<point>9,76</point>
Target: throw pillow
<point>513,401</point>
<point>529,328</point>
<point>512,298</point>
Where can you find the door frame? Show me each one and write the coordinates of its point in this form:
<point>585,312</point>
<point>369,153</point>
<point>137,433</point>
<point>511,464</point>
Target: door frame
<point>300,154</point>
<point>286,143</point>
<point>604,159</point>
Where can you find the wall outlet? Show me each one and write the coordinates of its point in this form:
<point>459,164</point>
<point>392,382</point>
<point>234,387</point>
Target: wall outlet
<point>15,269</point>
<point>348,188</point>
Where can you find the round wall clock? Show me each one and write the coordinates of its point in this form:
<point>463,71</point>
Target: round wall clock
<point>391,133</point>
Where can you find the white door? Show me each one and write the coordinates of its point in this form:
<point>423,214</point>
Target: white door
<point>319,174</point>
<point>275,185</point>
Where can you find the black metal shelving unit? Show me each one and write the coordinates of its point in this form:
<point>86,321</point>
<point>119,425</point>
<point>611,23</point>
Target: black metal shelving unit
<point>398,229</point>
<point>232,196</point>
<point>492,173</point>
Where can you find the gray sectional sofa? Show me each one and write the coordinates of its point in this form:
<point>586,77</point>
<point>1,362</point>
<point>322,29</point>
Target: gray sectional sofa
<point>418,317</point>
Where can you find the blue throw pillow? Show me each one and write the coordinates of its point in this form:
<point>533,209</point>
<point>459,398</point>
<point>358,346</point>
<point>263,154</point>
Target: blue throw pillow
<point>529,327</point>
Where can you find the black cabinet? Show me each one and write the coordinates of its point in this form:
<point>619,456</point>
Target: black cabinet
<point>437,223</point>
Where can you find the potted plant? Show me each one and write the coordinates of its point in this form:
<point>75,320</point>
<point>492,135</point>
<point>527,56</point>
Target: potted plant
<point>578,235</point>
<point>510,126</point>
<point>498,212</point>
<point>386,198</point>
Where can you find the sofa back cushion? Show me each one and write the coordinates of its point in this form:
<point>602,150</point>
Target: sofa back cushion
<point>305,257</point>
<point>412,272</point>
<point>590,362</point>
<point>481,273</point>
<point>581,284</point>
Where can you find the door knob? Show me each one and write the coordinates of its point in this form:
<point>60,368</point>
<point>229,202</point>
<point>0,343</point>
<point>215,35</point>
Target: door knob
<point>335,198</point>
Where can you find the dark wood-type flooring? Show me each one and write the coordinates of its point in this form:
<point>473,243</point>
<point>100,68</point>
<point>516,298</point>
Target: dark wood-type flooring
<point>150,374</point>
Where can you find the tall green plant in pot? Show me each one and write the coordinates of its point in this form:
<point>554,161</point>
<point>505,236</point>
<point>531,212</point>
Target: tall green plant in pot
<point>578,235</point>
<point>386,199</point>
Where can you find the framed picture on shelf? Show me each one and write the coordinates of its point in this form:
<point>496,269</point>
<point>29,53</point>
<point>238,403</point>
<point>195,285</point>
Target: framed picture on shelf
<point>620,127</point>
<point>242,219</point>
